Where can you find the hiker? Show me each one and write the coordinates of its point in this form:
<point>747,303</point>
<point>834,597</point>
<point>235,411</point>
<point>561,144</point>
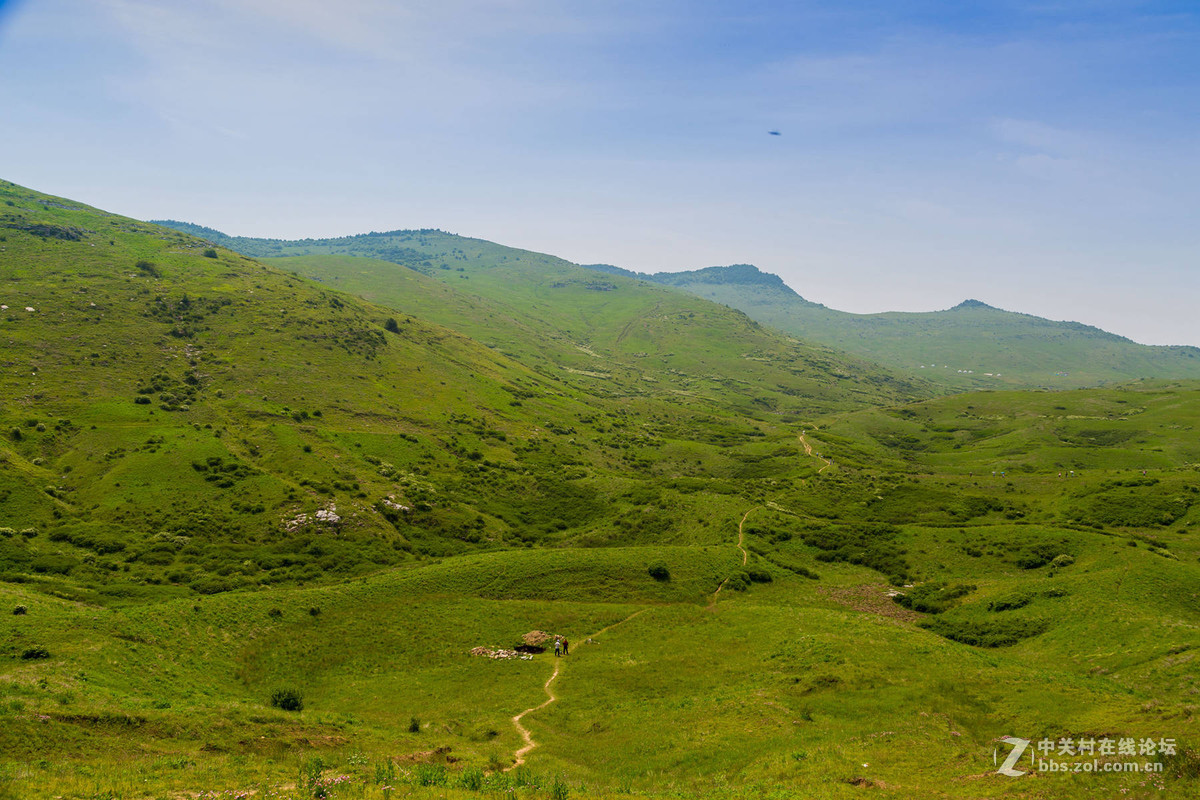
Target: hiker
<point>566,646</point>
<point>557,646</point>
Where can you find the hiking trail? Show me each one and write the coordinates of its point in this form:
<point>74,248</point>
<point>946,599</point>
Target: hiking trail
<point>526,736</point>
<point>809,452</point>
<point>740,546</point>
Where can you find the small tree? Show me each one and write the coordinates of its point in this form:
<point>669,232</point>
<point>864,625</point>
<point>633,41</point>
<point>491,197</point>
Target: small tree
<point>392,325</point>
<point>210,253</point>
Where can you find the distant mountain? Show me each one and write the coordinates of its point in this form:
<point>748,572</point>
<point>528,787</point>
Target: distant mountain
<point>972,345</point>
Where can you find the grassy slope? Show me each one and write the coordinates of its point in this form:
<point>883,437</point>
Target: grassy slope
<point>1019,350</point>
<point>626,335</point>
<point>808,685</point>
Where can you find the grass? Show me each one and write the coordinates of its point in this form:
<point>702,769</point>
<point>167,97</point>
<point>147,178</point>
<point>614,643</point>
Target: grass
<point>176,578</point>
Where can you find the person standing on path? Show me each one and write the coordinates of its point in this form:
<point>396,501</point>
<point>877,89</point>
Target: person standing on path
<point>566,646</point>
<point>557,646</point>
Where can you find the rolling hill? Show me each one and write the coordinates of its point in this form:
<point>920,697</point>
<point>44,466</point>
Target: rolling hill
<point>970,346</point>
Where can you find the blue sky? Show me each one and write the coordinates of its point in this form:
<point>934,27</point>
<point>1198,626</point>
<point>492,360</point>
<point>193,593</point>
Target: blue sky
<point>1041,156</point>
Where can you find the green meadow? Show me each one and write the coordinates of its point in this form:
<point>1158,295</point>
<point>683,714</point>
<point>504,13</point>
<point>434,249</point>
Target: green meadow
<point>255,516</point>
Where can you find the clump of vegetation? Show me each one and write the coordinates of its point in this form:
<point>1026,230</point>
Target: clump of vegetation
<point>288,699</point>
<point>995,633</point>
<point>20,611</point>
<point>933,597</point>
<point>414,725</point>
<point>871,545</point>
<point>658,570</point>
<point>210,253</point>
<point>1010,602</point>
<point>150,268</point>
<point>35,653</point>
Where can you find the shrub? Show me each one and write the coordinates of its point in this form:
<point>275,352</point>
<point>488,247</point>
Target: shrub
<point>8,531</point>
<point>16,434</point>
<point>288,699</point>
<point>20,611</point>
<point>149,268</point>
<point>933,597</point>
<point>414,725</point>
<point>29,533</point>
<point>999,633</point>
<point>1062,560</point>
<point>33,653</point>
<point>210,253</point>
<point>1010,602</point>
<point>391,325</point>
<point>658,570</point>
<point>142,400</point>
<point>275,613</point>
<point>759,576</point>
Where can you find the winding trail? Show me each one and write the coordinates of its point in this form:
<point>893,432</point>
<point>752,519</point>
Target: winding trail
<point>809,451</point>
<point>712,601</point>
<point>526,736</point>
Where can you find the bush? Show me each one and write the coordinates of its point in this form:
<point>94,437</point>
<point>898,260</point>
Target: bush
<point>414,725</point>
<point>210,253</point>
<point>391,325</point>
<point>149,268</point>
<point>288,699</point>
<point>1012,601</point>
<point>142,400</point>
<point>1062,560</point>
<point>999,633</point>
<point>16,434</point>
<point>20,611</point>
<point>34,653</point>
<point>658,570</point>
<point>933,597</point>
<point>8,531</point>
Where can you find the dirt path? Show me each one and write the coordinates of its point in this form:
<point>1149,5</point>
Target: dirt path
<point>742,536</point>
<point>712,601</point>
<point>809,452</point>
<point>526,736</point>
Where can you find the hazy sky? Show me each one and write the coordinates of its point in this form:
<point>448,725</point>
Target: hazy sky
<point>1042,156</point>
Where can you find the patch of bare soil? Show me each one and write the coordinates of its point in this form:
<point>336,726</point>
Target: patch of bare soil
<point>872,598</point>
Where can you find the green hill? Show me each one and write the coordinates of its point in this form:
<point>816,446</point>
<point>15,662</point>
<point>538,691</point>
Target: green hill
<point>781,574</point>
<point>970,346</point>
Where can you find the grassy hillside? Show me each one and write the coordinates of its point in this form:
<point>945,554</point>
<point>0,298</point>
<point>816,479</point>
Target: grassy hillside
<point>970,346</point>
<point>825,594</point>
<point>612,336</point>
<point>176,416</point>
